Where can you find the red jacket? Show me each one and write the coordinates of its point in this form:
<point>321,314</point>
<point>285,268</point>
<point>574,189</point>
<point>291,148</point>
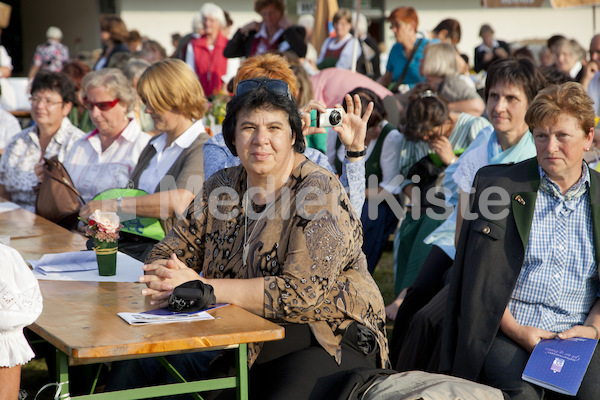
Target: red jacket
<point>211,65</point>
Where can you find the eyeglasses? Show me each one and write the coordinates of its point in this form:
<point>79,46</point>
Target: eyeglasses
<point>271,85</point>
<point>397,24</point>
<point>102,105</point>
<point>35,101</point>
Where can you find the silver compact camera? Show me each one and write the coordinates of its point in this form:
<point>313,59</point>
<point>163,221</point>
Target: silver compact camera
<point>331,117</point>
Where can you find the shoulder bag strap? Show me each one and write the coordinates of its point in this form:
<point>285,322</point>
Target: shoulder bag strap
<point>405,71</point>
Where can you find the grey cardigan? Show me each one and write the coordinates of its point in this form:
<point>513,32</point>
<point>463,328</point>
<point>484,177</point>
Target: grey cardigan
<point>186,173</point>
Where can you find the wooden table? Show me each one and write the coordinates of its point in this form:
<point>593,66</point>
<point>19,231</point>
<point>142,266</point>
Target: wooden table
<point>34,236</point>
<point>80,319</point>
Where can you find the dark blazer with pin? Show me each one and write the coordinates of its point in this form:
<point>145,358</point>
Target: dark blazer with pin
<point>489,257</point>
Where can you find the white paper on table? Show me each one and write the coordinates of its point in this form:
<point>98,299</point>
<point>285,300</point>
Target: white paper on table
<point>66,262</point>
<point>163,316</point>
<point>8,206</point>
<point>75,266</point>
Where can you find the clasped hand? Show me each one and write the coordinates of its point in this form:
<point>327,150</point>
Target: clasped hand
<point>162,276</point>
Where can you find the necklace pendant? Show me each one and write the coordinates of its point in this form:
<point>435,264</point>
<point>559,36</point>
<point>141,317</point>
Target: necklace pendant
<point>245,254</point>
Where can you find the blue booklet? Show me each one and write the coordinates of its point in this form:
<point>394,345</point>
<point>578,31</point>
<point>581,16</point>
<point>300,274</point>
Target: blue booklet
<point>559,365</point>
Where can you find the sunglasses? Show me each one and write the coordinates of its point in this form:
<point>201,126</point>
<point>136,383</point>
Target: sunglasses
<point>102,105</point>
<point>276,86</point>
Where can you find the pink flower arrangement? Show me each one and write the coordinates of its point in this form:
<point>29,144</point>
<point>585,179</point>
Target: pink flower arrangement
<point>104,226</point>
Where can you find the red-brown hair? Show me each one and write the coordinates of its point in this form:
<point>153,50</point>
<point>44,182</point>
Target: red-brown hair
<point>405,14</point>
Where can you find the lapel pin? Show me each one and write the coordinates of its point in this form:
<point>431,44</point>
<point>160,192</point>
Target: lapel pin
<point>520,199</point>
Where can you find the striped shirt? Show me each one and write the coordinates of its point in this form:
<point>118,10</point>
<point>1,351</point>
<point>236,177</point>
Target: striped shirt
<point>558,283</point>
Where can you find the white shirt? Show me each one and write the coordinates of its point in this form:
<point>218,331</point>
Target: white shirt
<point>262,46</point>
<point>20,305</point>
<point>24,151</point>
<point>190,59</point>
<point>164,158</point>
<point>593,90</point>
<point>345,60</point>
<point>9,127</point>
<point>94,171</point>
<point>5,59</point>
<point>575,69</point>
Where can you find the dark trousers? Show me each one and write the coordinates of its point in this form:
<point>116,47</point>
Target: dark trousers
<point>430,280</point>
<point>376,232</point>
<point>296,367</point>
<point>421,347</point>
<point>309,373</point>
<point>149,371</point>
<point>505,364</point>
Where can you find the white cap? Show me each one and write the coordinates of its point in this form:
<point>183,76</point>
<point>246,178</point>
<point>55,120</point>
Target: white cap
<point>54,33</point>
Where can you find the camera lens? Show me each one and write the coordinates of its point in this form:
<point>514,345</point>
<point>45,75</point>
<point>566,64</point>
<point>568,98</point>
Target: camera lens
<point>335,117</point>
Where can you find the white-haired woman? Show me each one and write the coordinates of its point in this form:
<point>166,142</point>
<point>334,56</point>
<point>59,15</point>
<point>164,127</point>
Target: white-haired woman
<point>204,54</point>
<point>105,158</point>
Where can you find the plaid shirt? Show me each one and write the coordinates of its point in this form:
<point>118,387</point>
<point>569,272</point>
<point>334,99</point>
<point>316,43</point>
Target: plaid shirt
<point>558,283</point>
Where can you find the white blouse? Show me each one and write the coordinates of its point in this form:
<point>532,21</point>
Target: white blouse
<point>20,305</point>
<point>24,151</point>
<point>164,158</point>
<point>93,171</point>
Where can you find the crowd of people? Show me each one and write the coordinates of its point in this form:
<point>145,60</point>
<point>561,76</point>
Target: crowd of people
<point>304,212</point>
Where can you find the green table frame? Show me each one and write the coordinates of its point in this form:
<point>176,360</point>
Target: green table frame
<point>240,381</point>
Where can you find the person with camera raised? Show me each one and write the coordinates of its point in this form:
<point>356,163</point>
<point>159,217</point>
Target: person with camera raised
<point>382,146</point>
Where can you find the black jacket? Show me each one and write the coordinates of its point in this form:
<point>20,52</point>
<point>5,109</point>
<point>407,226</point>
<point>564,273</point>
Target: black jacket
<point>241,44</point>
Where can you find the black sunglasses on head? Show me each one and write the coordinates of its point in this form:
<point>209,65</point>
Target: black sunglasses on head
<point>271,85</point>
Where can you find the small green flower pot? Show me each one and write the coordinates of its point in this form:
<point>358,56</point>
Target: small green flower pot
<point>106,254</point>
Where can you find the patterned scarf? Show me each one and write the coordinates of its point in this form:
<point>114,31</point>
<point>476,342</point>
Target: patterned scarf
<point>574,193</point>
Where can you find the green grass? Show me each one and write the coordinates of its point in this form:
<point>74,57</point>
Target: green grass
<point>384,277</point>
<point>34,375</point>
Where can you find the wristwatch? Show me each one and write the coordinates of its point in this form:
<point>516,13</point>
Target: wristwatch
<point>119,201</point>
<point>351,154</point>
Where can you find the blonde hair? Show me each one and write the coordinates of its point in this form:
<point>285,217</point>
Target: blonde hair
<point>440,60</point>
<point>268,65</point>
<point>170,84</point>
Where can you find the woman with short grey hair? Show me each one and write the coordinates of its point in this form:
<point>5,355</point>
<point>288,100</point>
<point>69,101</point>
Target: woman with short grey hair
<point>105,158</point>
<point>204,54</point>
